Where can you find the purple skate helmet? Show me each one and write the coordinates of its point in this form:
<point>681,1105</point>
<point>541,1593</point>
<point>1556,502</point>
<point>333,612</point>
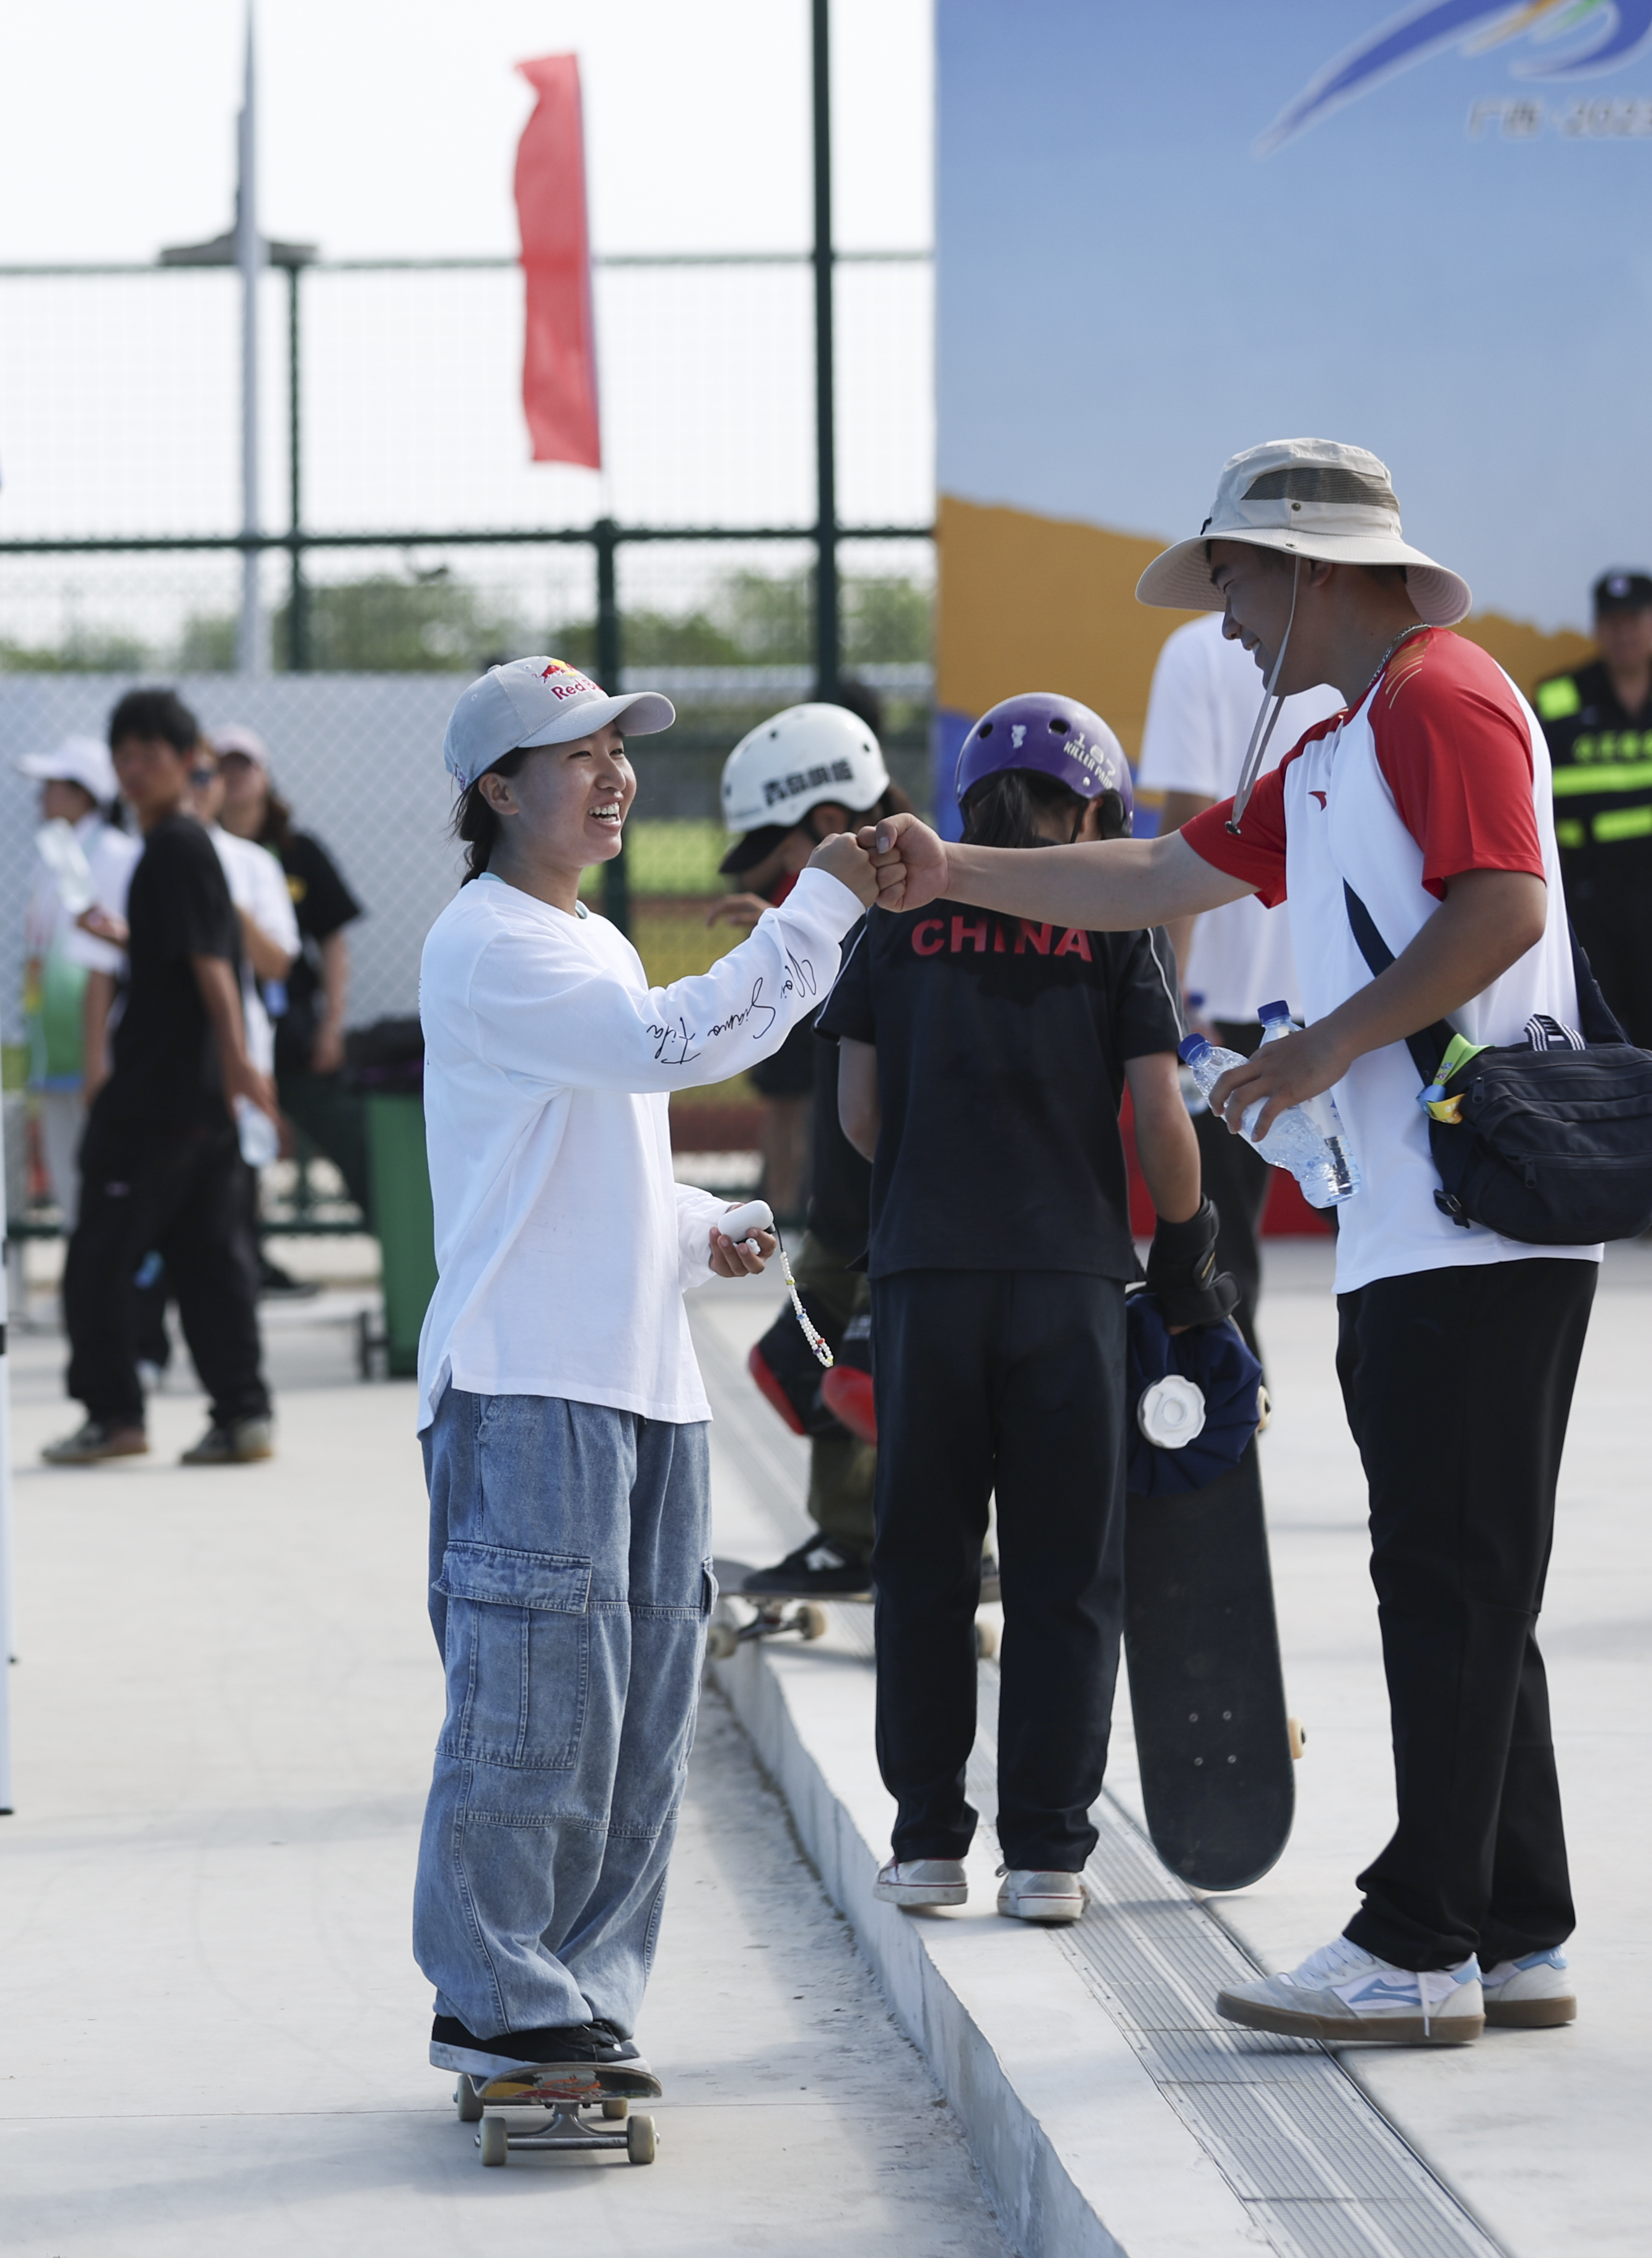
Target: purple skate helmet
<point>1052,736</point>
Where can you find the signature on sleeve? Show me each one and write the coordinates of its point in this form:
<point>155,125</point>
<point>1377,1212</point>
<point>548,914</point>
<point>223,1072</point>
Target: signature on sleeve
<point>674,1046</point>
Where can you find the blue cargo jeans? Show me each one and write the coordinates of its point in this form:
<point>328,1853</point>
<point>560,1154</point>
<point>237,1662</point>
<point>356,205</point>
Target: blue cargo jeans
<point>570,1583</point>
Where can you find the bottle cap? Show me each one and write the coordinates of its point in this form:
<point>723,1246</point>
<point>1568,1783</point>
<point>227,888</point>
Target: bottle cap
<point>1266,1012</point>
<point>1190,1047</point>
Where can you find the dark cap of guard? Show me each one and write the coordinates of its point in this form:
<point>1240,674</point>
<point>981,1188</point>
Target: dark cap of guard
<point>1623,591</point>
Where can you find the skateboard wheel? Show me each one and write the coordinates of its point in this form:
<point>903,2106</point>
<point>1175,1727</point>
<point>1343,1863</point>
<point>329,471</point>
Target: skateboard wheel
<point>811,1620</point>
<point>639,2139</point>
<point>493,2141</point>
<point>1298,1733</point>
<point>986,1640</point>
<point>616,2105</point>
<point>720,1642</point>
<point>470,2108</point>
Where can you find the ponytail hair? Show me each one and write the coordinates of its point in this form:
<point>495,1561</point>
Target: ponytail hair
<point>1000,811</point>
<point>475,823</point>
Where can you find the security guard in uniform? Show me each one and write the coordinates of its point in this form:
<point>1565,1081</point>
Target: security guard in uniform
<point>1599,723</point>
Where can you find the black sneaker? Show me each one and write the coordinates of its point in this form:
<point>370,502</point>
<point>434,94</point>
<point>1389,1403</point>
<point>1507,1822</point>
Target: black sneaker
<point>580,2061</point>
<point>817,1570</point>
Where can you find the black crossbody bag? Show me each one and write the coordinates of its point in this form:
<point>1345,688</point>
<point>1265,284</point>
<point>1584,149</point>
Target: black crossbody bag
<point>1548,1140</point>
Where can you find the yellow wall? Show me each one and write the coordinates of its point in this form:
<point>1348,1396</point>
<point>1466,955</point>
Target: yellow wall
<point>1028,602</point>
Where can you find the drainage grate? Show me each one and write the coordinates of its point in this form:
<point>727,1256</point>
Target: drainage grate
<point>1319,2169</point>
<point>1321,2172</point>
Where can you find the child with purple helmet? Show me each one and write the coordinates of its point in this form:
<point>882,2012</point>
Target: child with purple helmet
<point>982,1064</point>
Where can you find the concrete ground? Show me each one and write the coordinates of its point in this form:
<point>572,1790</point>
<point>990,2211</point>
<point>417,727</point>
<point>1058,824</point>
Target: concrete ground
<point>213,2031</point>
<point>1541,2134</point>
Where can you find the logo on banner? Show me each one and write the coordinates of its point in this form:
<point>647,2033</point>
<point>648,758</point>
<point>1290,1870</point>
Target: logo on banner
<point>1588,36</point>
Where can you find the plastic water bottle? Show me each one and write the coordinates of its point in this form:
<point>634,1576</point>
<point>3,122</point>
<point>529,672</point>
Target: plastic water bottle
<point>1344,1176</point>
<point>261,1140</point>
<point>1297,1140</point>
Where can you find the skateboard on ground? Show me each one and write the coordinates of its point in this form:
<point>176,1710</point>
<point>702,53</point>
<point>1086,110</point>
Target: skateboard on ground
<point>1201,1647</point>
<point>578,2106</point>
<point>775,1613</point>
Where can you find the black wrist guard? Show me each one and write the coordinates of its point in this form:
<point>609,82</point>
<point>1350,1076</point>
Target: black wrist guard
<point>1181,1271</point>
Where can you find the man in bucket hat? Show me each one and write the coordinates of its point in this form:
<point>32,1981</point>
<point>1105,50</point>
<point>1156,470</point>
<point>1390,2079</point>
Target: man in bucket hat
<point>1429,794</point>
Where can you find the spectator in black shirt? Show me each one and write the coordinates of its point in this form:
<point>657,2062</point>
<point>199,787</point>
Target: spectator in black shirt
<point>161,1163</point>
<point>983,1063</point>
<point>310,1035</point>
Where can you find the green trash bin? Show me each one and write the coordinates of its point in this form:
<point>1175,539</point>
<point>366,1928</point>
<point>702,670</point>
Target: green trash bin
<point>404,1220</point>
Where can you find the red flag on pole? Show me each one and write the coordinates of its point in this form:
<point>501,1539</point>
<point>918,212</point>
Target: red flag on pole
<point>559,360</point>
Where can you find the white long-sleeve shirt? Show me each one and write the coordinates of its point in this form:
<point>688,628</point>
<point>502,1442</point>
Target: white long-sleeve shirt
<point>563,1242</point>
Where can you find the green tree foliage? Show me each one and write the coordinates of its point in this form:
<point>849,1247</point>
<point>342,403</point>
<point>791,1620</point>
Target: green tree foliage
<point>83,651</point>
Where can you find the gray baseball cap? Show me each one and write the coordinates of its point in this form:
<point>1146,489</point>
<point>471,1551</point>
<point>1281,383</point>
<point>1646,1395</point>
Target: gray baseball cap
<point>539,701</point>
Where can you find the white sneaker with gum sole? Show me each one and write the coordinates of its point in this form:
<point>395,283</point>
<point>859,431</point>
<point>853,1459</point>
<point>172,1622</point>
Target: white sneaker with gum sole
<point>1343,1991</point>
<point>1530,1994</point>
<point>1034,1893</point>
<point>915,1882</point>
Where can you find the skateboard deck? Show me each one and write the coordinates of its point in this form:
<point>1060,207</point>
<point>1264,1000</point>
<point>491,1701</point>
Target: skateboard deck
<point>1203,1651</point>
<point>570,2085</point>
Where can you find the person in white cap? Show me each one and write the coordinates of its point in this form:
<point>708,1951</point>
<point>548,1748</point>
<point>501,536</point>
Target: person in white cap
<point>78,793</point>
<point>561,1414</point>
<point>1428,795</point>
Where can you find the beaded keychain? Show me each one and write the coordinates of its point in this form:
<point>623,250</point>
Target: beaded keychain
<point>757,1215</point>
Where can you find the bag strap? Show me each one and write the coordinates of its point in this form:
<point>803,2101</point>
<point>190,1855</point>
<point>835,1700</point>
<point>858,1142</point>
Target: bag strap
<point>1596,1020</point>
<point>1429,1045</point>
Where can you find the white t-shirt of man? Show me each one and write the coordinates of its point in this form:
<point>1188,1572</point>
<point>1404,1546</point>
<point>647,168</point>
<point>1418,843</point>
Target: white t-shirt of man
<point>563,1242</point>
<point>258,884</point>
<point>1200,712</point>
<point>1441,768</point>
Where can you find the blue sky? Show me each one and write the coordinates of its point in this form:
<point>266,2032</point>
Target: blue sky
<point>1128,293</point>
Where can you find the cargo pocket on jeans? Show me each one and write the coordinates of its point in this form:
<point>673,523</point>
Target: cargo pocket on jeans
<point>518,1655</point>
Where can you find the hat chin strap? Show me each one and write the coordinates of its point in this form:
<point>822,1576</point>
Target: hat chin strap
<point>1257,753</point>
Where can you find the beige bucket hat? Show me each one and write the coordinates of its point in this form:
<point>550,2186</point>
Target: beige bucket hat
<point>1305,498</point>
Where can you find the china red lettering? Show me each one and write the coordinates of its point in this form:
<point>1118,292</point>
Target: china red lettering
<point>1074,942</point>
<point>976,933</point>
<point>1037,934</point>
<point>928,936</point>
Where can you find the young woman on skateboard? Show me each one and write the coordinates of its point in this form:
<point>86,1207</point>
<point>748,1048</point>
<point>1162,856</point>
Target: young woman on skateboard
<point>560,1408</point>
<point>982,1065</point>
<point>1427,800</point>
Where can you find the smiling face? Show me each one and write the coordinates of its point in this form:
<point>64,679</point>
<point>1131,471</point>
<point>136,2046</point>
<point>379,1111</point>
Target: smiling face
<point>1255,587</point>
<point>566,807</point>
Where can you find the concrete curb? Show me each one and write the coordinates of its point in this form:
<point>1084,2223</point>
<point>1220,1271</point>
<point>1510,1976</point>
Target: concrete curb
<point>1080,2156</point>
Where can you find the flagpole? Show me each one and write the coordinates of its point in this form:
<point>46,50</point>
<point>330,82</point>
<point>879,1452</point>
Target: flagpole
<point>251,639</point>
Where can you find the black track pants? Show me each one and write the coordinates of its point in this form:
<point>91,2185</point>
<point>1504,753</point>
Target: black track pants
<point>178,1190</point>
<point>1012,1380</point>
<point>1458,1383</point>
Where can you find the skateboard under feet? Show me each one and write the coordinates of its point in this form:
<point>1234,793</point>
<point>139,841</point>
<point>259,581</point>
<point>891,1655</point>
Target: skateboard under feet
<point>573,2113</point>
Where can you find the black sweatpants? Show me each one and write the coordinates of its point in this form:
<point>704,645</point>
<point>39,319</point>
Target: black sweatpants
<point>1457,1384</point>
<point>174,1188</point>
<point>1012,1380</point>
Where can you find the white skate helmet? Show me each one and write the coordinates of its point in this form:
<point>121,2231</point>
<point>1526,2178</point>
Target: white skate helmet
<point>796,761</point>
